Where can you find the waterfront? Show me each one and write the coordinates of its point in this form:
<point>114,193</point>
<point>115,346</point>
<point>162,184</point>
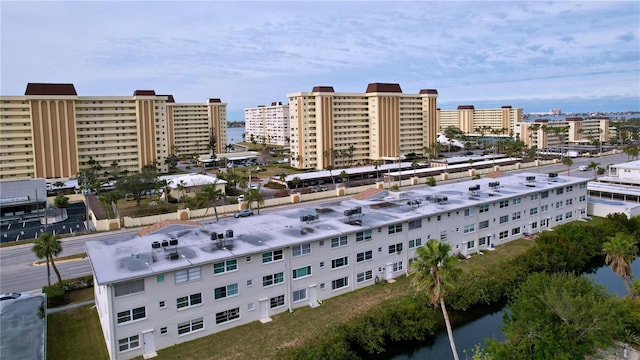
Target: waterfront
<point>485,327</point>
<point>234,134</point>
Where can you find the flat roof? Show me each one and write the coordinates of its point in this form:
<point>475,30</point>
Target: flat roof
<point>23,327</point>
<point>635,164</point>
<point>125,257</point>
<point>613,188</point>
<point>22,192</point>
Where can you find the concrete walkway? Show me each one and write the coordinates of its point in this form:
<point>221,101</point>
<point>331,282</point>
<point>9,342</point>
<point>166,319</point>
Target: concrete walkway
<point>70,306</point>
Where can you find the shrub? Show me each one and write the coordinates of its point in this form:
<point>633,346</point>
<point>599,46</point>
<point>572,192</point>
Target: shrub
<point>431,181</point>
<point>56,295</point>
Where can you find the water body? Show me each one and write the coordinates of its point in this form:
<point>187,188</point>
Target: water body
<point>234,135</point>
<point>487,326</point>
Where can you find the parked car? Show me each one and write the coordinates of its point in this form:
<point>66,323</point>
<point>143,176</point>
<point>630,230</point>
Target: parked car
<point>583,168</point>
<point>254,187</point>
<point>240,198</point>
<point>243,213</point>
<point>468,152</point>
<point>14,296</point>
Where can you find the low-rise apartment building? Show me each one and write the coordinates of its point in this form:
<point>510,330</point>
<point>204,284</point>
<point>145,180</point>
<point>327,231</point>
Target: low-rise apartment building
<point>481,122</point>
<point>267,124</point>
<point>573,130</point>
<point>175,282</point>
<point>382,124</point>
<point>51,132</point>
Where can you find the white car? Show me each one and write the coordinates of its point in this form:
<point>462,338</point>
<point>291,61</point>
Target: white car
<point>583,168</point>
<point>14,296</point>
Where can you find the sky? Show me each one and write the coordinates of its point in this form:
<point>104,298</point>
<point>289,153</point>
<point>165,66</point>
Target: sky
<point>577,56</point>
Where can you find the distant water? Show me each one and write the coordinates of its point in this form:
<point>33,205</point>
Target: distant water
<point>234,135</point>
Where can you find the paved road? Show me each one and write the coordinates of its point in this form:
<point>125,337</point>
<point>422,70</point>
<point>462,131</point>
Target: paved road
<point>17,272</point>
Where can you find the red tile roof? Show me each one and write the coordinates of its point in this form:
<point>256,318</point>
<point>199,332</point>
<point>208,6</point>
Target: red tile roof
<point>384,87</point>
<point>50,89</point>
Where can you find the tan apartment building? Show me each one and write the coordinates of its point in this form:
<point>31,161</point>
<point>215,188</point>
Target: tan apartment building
<point>53,133</point>
<point>573,130</point>
<point>478,122</point>
<point>192,125</point>
<point>343,129</point>
<point>267,124</point>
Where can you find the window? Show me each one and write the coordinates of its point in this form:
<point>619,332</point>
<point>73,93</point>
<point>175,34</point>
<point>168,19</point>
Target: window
<point>187,275</point>
<point>300,250</point>
<point>226,291</point>
<point>469,228</point>
<point>515,231</point>
<point>395,248</point>
<point>569,202</point>
<point>569,188</point>
<point>504,203</point>
<point>544,194</point>
<point>544,208</point>
<point>568,215</point>
<point>517,201</point>
<point>504,234</point>
<point>534,225</point>
<point>299,295</point>
<point>160,277</point>
<point>225,266</point>
<point>439,217</point>
<point>534,197</point>
<point>582,198</point>
<point>129,287</point>
<point>271,256</point>
<point>471,244</point>
<point>339,262</point>
<point>395,228</point>
<point>533,211</point>
<point>469,212</point>
<point>516,216</point>
<point>443,235</point>
<point>482,241</point>
<point>162,304</point>
<point>190,326</point>
<point>367,255</point>
<point>415,224</point>
<point>276,301</point>
<point>364,276</point>
<point>559,191</point>
<point>163,330</point>
<point>132,315</point>
<point>483,224</point>
<point>129,343</point>
<point>543,222</point>
<point>397,266</point>
<point>248,258</point>
<point>504,219</point>
<point>191,300</point>
<point>228,315</point>
<point>363,235</point>
<point>483,208</point>
<point>339,241</point>
<point>415,243</point>
<point>272,279</point>
<point>559,204</point>
<point>340,283</point>
<point>302,272</point>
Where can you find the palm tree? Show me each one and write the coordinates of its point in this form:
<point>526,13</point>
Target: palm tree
<point>619,252</point>
<point>255,195</point>
<point>593,166</point>
<point>329,169</point>
<point>376,165</point>
<point>47,246</point>
<point>296,181</point>
<point>344,176</point>
<point>210,194</point>
<point>567,161</point>
<point>435,272</point>
<point>181,188</point>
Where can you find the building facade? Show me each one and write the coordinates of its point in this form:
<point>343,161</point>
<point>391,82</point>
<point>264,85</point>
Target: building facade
<point>573,130</point>
<point>479,122</point>
<point>344,129</point>
<point>267,124</point>
<point>173,283</point>
<point>53,133</point>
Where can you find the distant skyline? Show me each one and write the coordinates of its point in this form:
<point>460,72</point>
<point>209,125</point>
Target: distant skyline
<point>577,56</point>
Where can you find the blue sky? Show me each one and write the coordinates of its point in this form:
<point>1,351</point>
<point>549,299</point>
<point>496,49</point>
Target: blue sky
<point>578,56</point>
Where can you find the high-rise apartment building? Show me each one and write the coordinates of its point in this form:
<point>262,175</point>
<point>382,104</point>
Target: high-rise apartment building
<point>267,124</point>
<point>53,133</point>
<point>477,122</point>
<point>573,130</point>
<point>342,129</point>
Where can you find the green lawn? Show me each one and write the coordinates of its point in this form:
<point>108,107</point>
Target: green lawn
<point>76,333</point>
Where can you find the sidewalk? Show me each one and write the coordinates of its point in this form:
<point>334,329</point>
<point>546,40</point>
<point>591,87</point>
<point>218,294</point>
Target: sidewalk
<point>70,306</point>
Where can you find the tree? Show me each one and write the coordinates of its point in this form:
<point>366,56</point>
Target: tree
<point>181,186</point>
<point>211,194</point>
<point>435,272</point>
<point>329,169</point>
<point>376,165</point>
<point>567,161</point>
<point>213,140</point>
<point>452,132</point>
<point>47,246</point>
<point>61,202</point>
<point>137,184</point>
<point>255,195</point>
<point>558,316</point>
<point>344,176</point>
<point>620,251</point>
<point>414,165</point>
<point>296,181</point>
<point>593,166</point>
<point>110,199</point>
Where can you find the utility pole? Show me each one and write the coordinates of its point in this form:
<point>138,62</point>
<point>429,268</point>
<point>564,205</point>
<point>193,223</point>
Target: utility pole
<point>399,169</point>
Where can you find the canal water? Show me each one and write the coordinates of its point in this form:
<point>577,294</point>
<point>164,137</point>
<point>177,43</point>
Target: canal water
<point>486,326</point>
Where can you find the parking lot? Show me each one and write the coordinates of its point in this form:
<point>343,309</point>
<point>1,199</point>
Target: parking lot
<point>74,223</point>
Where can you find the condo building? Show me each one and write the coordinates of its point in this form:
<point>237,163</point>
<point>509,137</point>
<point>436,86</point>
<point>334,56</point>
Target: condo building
<point>341,129</point>
<point>178,281</point>
<point>479,122</point>
<point>573,130</point>
<point>267,124</point>
<point>53,133</point>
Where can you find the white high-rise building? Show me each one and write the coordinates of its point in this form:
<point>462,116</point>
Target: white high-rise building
<point>267,124</point>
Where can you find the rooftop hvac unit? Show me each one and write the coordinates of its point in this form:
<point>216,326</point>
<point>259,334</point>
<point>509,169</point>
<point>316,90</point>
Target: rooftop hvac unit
<point>357,210</point>
<point>165,243</point>
<point>347,212</point>
<point>229,233</point>
<point>553,177</point>
<point>174,256</point>
<point>155,245</point>
<point>474,188</point>
<point>214,236</point>
<point>494,185</point>
<point>429,198</point>
<point>173,241</point>
<point>414,202</point>
<point>220,236</point>
<point>531,178</point>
